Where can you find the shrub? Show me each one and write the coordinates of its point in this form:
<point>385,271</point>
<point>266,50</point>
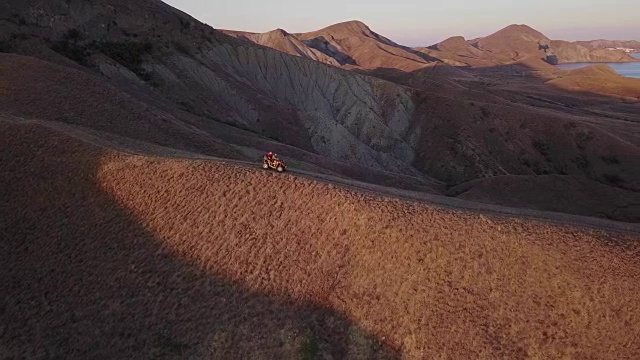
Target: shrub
<point>611,160</point>
<point>581,162</point>
<point>72,35</point>
<point>5,47</point>
<point>613,179</point>
<point>72,51</point>
<point>19,36</point>
<point>309,349</point>
<point>131,55</point>
<point>543,148</point>
<point>583,137</point>
<point>128,53</point>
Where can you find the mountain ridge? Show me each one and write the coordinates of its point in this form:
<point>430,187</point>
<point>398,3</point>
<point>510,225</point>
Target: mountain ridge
<point>428,125</point>
<point>514,42</point>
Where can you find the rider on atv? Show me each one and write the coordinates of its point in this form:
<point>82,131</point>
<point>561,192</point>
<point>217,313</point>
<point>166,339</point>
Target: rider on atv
<point>271,161</point>
<point>271,156</point>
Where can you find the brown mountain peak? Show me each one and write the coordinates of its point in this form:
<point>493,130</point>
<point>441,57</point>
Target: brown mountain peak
<point>348,28</point>
<point>519,29</point>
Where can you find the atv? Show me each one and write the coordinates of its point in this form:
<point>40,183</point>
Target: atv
<point>275,163</point>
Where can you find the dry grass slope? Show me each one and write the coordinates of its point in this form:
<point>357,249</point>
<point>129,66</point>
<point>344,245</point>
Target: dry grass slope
<point>599,79</point>
<point>114,256</point>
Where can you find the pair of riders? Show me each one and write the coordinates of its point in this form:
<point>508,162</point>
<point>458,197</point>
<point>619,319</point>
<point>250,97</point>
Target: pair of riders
<point>271,156</point>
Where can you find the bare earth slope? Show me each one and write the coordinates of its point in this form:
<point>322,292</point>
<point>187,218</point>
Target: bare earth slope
<point>362,47</point>
<point>282,41</point>
<point>108,255</point>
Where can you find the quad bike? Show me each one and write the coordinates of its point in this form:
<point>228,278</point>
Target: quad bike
<point>276,164</point>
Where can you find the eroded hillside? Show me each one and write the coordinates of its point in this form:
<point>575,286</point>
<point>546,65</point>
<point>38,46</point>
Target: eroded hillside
<point>199,90</point>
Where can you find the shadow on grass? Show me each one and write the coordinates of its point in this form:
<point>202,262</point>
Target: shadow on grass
<point>81,279</point>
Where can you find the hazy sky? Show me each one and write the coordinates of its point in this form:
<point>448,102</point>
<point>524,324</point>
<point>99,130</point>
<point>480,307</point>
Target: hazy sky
<point>416,23</point>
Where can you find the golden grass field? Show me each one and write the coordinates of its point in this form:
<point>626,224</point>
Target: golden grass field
<point>109,255</point>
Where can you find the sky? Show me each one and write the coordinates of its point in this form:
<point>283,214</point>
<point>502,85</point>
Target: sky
<point>426,22</point>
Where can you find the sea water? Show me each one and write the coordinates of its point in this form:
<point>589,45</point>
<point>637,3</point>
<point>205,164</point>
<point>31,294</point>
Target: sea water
<point>625,69</point>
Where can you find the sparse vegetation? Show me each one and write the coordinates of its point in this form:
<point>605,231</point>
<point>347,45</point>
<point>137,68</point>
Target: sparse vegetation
<point>6,47</point>
<point>72,50</point>
<point>543,148</point>
<point>138,232</point>
<point>19,36</point>
<point>11,43</point>
<point>18,19</point>
<point>611,160</point>
<point>72,35</point>
<point>583,137</point>
<point>167,346</point>
<point>581,161</point>
<point>176,255</point>
<point>185,24</point>
<point>613,179</point>
<point>309,349</point>
<point>129,54</point>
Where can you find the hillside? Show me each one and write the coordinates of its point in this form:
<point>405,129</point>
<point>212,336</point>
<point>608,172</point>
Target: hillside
<point>515,41</point>
<point>37,89</point>
<point>587,198</point>
<point>282,41</point>
<point>120,256</point>
<point>201,91</point>
<point>350,44</point>
<point>363,47</point>
<point>600,79</point>
<point>353,45</point>
<point>519,42</point>
<point>451,201</point>
<point>456,51</point>
<point>604,44</point>
<point>573,53</point>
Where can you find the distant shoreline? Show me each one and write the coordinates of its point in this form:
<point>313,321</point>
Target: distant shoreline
<point>635,56</point>
<point>619,67</point>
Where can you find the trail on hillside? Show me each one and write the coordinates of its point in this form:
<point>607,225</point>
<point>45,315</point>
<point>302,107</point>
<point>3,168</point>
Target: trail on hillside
<point>450,203</point>
<point>127,256</point>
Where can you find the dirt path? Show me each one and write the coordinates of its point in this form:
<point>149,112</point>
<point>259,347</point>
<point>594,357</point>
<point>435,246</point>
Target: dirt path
<point>442,202</point>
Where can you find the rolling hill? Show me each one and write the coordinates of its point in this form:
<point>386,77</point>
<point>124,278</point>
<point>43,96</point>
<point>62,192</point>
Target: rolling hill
<point>202,91</point>
<point>426,210</point>
<point>113,255</point>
